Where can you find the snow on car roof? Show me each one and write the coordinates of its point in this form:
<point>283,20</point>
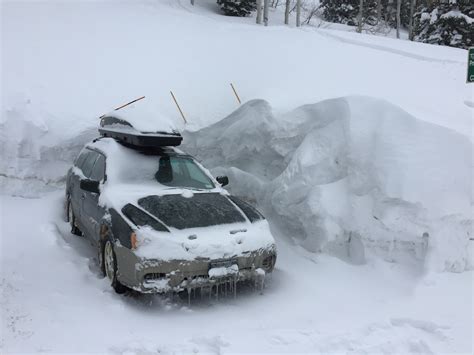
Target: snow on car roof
<point>145,116</point>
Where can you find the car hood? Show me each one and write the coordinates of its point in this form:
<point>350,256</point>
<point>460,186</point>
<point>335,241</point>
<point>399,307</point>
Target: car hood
<point>192,211</point>
<point>201,225</point>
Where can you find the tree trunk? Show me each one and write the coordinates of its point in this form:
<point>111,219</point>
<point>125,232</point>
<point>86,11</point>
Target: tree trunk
<point>410,23</point>
<point>266,4</point>
<point>379,11</point>
<point>298,13</point>
<point>287,11</point>
<point>259,12</point>
<point>359,16</point>
<point>399,5</point>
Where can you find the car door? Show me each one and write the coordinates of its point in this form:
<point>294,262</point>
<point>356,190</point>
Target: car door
<point>84,220</point>
<point>90,203</point>
<point>75,191</point>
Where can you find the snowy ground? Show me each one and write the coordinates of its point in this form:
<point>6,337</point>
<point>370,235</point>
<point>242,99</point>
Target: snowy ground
<point>54,301</point>
<point>402,110</point>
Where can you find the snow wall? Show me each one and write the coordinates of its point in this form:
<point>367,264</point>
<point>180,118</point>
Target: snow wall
<point>349,175</point>
<point>343,176</point>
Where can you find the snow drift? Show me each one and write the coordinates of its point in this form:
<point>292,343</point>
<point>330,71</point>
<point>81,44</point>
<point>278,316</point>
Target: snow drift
<point>350,174</point>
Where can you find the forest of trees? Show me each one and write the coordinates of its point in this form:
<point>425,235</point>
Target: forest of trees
<point>444,22</point>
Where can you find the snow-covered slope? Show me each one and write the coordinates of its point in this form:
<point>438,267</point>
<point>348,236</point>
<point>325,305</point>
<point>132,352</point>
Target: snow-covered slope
<point>358,146</point>
<point>64,64</point>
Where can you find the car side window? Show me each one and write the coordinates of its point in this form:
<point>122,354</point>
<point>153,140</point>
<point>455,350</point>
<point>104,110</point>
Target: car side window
<point>98,171</point>
<point>89,163</point>
<point>197,174</point>
<point>81,159</point>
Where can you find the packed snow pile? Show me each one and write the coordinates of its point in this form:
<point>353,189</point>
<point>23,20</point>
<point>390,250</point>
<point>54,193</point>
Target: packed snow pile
<point>38,147</point>
<point>349,175</point>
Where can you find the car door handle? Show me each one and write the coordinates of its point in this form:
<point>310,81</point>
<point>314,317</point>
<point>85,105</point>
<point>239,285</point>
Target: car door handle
<point>83,197</point>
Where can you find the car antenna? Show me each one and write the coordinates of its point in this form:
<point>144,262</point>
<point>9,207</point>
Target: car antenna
<point>128,103</point>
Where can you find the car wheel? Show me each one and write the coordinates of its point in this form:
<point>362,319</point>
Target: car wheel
<point>110,267</point>
<point>72,219</point>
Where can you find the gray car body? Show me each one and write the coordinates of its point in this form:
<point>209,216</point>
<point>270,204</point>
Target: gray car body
<point>100,222</point>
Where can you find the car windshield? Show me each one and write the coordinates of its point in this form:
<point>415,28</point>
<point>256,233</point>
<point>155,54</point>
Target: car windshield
<point>175,171</point>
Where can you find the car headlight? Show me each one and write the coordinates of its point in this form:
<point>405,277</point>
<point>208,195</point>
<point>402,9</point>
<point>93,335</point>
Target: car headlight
<point>269,262</point>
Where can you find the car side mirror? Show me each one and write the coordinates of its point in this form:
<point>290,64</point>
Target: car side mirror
<point>223,180</point>
<point>90,185</point>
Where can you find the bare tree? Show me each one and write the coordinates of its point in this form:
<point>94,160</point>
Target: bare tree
<point>287,11</point>
<point>399,5</point>
<point>298,13</point>
<point>359,16</point>
<point>379,11</point>
<point>266,4</point>
<point>259,12</point>
<point>410,21</point>
<point>311,11</point>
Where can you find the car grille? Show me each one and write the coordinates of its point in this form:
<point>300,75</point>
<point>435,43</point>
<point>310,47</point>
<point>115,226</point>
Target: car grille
<point>155,276</point>
<point>222,263</point>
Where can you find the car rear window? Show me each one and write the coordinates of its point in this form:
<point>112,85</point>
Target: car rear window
<point>201,210</point>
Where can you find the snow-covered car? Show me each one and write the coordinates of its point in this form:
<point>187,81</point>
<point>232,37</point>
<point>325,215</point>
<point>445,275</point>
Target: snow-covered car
<point>161,222</point>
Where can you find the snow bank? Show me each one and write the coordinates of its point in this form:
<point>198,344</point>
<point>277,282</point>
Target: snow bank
<point>349,174</point>
<point>38,147</point>
<point>343,176</point>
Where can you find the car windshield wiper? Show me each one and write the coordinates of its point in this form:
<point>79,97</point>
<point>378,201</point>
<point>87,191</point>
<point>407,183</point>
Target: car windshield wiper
<point>186,188</point>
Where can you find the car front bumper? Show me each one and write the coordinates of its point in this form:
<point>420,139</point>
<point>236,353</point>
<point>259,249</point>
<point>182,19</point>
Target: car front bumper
<point>157,276</point>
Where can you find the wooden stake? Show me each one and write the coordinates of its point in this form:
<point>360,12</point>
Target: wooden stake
<point>235,92</point>
<point>179,108</point>
<point>128,103</point>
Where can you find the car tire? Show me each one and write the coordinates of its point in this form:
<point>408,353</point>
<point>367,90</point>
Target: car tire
<point>100,256</point>
<point>109,262</point>
<point>71,218</point>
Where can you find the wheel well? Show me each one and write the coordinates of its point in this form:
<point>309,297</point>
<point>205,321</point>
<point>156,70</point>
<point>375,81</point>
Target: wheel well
<point>104,232</point>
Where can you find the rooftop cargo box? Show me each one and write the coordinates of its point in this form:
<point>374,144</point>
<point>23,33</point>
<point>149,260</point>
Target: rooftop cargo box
<point>123,131</point>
